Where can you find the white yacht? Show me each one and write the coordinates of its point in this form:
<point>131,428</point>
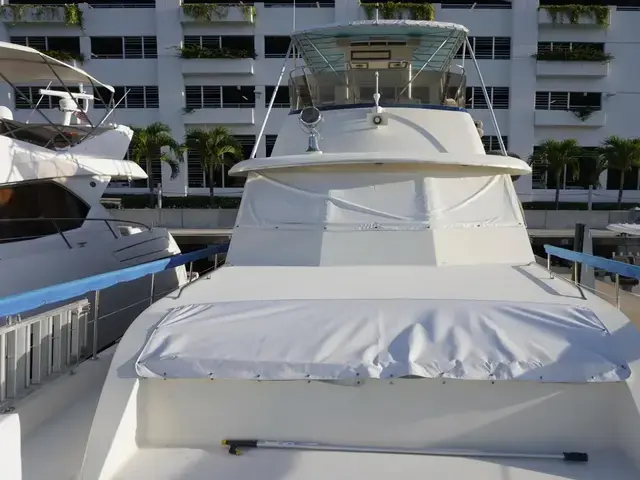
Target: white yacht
<point>53,173</point>
<point>381,314</point>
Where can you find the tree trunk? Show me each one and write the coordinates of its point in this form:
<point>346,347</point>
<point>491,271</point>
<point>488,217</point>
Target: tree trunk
<point>212,202</point>
<point>558,190</point>
<point>621,189</point>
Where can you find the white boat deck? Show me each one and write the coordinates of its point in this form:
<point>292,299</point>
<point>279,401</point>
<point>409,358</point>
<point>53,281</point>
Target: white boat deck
<point>55,450</point>
<point>201,464</point>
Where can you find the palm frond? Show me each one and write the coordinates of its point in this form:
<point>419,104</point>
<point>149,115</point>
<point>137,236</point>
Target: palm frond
<point>620,153</point>
<point>150,140</point>
<point>215,147</point>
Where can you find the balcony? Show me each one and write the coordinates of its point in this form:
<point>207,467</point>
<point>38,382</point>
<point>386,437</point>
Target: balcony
<point>571,69</point>
<point>60,14</point>
<point>227,115</point>
<point>307,15</point>
<point>217,13</point>
<point>217,66</point>
<point>567,118</point>
<point>569,15</point>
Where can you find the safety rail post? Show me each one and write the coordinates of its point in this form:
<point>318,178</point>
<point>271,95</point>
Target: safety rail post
<point>96,316</point>
<point>110,228</point>
<point>153,284</point>
<point>618,290</point>
<point>55,224</point>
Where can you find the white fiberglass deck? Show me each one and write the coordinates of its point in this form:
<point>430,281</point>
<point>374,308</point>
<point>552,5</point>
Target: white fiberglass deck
<point>214,462</point>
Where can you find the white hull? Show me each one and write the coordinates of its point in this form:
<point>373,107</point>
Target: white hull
<point>103,253</point>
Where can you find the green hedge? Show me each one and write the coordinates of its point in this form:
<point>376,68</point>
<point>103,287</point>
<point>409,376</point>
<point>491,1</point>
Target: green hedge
<point>192,201</point>
<point>577,206</point>
<point>201,201</point>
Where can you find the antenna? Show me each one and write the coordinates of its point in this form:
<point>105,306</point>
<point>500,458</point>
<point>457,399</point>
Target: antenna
<point>376,95</point>
<point>310,118</point>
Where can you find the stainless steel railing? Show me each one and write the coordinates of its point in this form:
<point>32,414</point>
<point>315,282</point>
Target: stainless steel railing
<point>38,349</point>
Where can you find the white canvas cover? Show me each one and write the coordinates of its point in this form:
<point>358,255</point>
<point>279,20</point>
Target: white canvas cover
<point>381,339</point>
<point>339,200</point>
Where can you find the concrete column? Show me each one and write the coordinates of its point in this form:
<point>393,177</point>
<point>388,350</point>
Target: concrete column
<point>524,43</point>
<point>171,86</point>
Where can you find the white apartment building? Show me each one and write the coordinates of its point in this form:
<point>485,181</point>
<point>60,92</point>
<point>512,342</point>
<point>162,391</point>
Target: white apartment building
<point>134,46</point>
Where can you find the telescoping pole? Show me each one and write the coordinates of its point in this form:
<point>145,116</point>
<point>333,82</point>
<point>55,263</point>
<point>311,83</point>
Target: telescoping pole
<point>237,444</point>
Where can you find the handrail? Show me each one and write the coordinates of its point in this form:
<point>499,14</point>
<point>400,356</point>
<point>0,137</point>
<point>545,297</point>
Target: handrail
<point>613,266</point>
<point>30,300</point>
<point>59,231</point>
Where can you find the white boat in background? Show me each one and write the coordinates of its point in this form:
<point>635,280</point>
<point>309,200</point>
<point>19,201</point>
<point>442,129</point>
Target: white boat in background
<point>53,228</point>
<point>381,314</point>
<point>632,229</point>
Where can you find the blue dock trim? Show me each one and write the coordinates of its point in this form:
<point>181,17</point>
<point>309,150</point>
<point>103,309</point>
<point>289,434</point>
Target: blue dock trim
<point>613,266</point>
<point>23,302</point>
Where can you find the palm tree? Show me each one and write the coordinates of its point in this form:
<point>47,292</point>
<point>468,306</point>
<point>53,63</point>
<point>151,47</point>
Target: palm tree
<point>216,148</point>
<point>620,154</point>
<point>558,157</point>
<point>148,142</point>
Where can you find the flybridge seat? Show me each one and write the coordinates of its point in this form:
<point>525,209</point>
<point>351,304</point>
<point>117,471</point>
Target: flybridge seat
<point>344,339</point>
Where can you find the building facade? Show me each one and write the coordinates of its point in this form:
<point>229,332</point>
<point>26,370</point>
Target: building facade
<point>145,48</point>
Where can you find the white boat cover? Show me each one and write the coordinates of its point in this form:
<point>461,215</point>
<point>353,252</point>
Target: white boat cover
<point>626,228</point>
<point>381,339</point>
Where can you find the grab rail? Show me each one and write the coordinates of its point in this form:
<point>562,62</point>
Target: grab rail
<point>23,302</point>
<point>55,222</point>
<point>612,266</point>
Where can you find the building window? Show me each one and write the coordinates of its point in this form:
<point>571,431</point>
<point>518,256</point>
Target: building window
<point>33,97</point>
<point>236,43</point>
<point>282,96</point>
<point>301,4</point>
<point>276,46</point>
<point>568,100</point>
<point>238,97</point>
<point>122,3</point>
<point>70,45</point>
<point>127,97</point>
<point>491,142</point>
<point>568,46</point>
<point>466,4</point>
<point>215,96</point>
<point>499,97</point>
<point>124,47</point>
<point>488,48</point>
<point>270,142</point>
<point>39,201</point>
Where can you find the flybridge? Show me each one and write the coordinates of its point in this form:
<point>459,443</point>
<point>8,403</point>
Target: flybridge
<point>422,44</point>
<point>380,63</point>
<point>402,61</point>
